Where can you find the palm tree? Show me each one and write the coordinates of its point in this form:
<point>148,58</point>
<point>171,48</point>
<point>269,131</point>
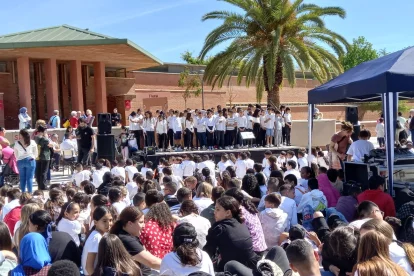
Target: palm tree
<point>269,39</point>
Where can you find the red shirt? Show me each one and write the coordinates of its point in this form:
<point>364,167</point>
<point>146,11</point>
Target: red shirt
<point>383,200</point>
<point>12,218</point>
<point>157,241</point>
<point>73,122</point>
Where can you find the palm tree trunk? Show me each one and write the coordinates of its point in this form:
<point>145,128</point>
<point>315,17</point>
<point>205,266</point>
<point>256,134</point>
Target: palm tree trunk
<point>273,96</point>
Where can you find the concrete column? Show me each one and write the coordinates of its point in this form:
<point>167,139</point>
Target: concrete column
<point>52,96</point>
<point>100,87</point>
<point>23,74</point>
<point>76,85</point>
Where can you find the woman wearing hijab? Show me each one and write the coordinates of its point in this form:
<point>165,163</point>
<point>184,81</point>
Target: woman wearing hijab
<point>34,256</point>
<point>24,119</point>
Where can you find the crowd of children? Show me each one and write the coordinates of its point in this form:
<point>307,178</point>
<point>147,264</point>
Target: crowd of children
<point>288,215</point>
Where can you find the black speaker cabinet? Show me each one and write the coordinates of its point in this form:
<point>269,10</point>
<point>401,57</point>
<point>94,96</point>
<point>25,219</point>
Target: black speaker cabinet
<point>106,146</point>
<point>104,123</point>
<point>351,114</point>
<point>355,134</point>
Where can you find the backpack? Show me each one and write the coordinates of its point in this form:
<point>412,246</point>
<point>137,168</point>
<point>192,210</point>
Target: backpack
<point>407,230</point>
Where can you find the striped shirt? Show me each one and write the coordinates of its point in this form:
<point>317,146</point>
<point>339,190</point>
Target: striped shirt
<point>230,123</point>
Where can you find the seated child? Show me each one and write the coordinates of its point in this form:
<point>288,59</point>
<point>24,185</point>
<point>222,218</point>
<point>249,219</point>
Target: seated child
<point>80,174</point>
<point>273,219</point>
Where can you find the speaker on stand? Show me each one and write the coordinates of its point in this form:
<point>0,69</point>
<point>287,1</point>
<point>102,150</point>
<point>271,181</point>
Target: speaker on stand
<point>351,114</point>
<point>106,146</point>
<point>104,123</point>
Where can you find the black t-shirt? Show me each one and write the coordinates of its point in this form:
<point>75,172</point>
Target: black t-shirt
<point>134,246</point>
<point>115,118</point>
<point>85,134</point>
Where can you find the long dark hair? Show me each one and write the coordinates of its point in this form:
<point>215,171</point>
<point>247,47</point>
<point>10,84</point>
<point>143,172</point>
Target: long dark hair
<point>55,199</point>
<point>160,213</point>
<point>26,136</point>
<point>185,244</point>
<point>206,173</point>
<point>246,203</point>
<point>230,203</point>
<point>99,213</point>
<point>112,253</point>
<point>5,239</point>
<point>130,213</point>
<point>251,186</point>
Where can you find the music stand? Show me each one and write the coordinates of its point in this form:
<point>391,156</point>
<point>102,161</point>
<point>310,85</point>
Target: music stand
<point>247,135</point>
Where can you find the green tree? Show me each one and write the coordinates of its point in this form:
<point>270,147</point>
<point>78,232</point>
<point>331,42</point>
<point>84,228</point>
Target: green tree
<point>360,51</point>
<point>188,57</point>
<point>191,84</point>
<point>268,37</point>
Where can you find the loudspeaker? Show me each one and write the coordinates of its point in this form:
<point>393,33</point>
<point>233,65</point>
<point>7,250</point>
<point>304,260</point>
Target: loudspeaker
<point>355,134</point>
<point>150,150</point>
<point>104,123</point>
<point>351,114</point>
<point>106,146</point>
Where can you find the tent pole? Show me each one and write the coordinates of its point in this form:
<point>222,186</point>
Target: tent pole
<point>310,127</point>
<point>390,122</point>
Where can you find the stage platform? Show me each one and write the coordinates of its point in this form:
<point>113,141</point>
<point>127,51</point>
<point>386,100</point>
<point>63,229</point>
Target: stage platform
<point>257,154</point>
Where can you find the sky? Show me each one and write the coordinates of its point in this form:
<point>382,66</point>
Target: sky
<point>167,28</point>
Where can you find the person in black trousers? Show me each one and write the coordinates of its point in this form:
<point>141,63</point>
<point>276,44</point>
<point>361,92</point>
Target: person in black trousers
<point>43,161</point>
<point>86,144</point>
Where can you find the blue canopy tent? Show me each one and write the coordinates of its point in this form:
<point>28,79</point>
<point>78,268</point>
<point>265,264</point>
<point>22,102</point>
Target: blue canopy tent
<point>384,79</point>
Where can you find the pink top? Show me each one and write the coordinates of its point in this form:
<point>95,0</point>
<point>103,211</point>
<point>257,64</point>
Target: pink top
<point>331,194</point>
<point>10,158</point>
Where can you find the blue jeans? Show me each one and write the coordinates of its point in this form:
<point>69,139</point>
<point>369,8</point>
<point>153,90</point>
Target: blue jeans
<point>26,168</point>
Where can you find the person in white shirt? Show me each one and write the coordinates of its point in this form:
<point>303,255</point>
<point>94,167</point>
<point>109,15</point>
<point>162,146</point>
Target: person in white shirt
<point>224,163</point>
<point>270,126</point>
<point>241,122</point>
<point>200,123</point>
<point>279,125</point>
<point>230,130</point>
<point>188,132</point>
<point>203,196</point>
<point>249,161</point>
<point>68,221</point>
<point>97,175</point>
<point>288,125</point>
<point>13,198</point>
<point>115,198</point>
<point>265,162</point>
<point>241,165</point>
<point>302,160</point>
<point>147,167</point>
<point>119,169</point>
<point>130,170</point>
<point>26,151</point>
<point>281,159</point>
<point>148,126</point>
<point>209,164</point>
<point>291,169</point>
<point>188,166</point>
<point>177,129</point>
<point>80,174</point>
<point>135,126</point>
<point>380,129</point>
<point>189,214</point>
<point>210,129</point>
<point>185,235</point>
<point>69,145</point>
<point>220,129</point>
<point>361,147</point>
<point>170,132</point>
<point>161,128</point>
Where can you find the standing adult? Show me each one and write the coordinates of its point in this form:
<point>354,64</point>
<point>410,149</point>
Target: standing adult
<point>56,150</point>
<point>26,152</point>
<point>116,118</point>
<point>410,123</point>
<point>4,142</point>
<point>74,119</point>
<point>89,118</point>
<point>54,121</point>
<point>24,119</point>
<point>149,128</point>
<point>339,145</point>
<point>43,160</point>
<point>86,141</point>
